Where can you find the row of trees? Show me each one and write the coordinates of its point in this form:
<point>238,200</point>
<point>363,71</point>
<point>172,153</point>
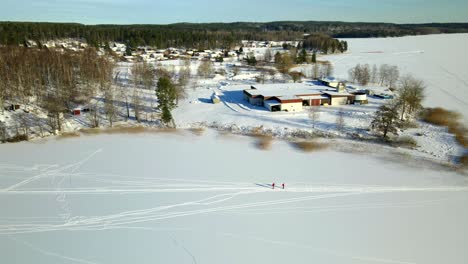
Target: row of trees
<point>383,75</point>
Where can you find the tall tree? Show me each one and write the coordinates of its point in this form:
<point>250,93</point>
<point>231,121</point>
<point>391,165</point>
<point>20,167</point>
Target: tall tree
<point>167,96</point>
<point>386,119</point>
<point>410,95</point>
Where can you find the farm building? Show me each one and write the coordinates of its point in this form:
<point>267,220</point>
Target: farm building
<point>337,98</point>
<point>338,85</point>
<point>292,97</point>
<point>360,98</point>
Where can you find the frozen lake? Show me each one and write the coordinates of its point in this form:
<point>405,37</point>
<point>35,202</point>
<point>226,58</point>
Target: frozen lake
<point>440,60</point>
<point>181,198</point>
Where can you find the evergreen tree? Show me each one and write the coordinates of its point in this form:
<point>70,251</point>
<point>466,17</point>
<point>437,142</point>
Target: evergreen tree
<point>386,120</point>
<point>167,96</point>
<point>302,58</point>
<point>314,57</point>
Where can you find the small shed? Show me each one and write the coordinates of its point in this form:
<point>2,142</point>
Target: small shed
<point>273,105</point>
<point>360,98</point>
<point>76,112</point>
<point>215,98</point>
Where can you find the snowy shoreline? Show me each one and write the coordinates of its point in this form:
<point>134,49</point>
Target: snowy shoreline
<point>347,143</point>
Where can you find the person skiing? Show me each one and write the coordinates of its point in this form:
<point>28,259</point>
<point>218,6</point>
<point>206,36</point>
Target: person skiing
<point>282,185</point>
<point>273,185</point>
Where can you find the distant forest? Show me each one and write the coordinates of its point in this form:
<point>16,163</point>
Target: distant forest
<point>211,35</point>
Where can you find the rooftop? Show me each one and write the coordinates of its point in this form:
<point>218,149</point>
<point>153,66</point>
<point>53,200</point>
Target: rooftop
<point>285,90</point>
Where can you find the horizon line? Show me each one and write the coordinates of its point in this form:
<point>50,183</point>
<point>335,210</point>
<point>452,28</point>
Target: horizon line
<point>201,23</point>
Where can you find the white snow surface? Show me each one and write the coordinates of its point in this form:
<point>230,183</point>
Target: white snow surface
<point>440,60</point>
<point>181,198</point>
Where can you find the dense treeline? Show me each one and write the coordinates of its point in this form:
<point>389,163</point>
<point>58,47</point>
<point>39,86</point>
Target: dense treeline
<point>324,43</point>
<point>211,35</point>
<point>54,80</point>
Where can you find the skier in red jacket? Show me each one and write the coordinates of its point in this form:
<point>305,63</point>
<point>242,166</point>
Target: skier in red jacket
<point>282,185</point>
<point>273,185</point>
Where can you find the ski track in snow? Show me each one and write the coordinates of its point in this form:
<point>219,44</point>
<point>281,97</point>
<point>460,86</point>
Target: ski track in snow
<point>51,254</point>
<point>213,204</point>
<point>160,212</point>
<point>327,251</point>
<point>221,199</point>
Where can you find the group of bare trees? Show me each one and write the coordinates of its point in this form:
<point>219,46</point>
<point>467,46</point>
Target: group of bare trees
<point>205,69</point>
<point>389,117</point>
<point>384,75</point>
<point>53,79</point>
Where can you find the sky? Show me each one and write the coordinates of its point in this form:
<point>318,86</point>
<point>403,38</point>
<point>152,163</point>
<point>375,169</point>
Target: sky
<point>174,11</point>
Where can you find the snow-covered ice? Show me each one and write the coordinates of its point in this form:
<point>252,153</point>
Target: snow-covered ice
<point>182,198</point>
<point>440,60</point>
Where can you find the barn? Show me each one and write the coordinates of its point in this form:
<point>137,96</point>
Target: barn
<point>253,96</point>
<point>314,100</point>
<point>290,103</point>
<point>337,98</point>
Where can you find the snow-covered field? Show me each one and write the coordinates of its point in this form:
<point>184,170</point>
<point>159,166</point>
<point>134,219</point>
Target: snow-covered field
<point>182,198</point>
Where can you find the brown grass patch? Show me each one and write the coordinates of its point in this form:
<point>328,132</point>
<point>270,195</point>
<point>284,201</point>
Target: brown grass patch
<point>91,131</point>
<point>198,131</point>
<point>126,130</point>
<point>263,142</point>
<point>308,146</point>
<point>442,117</point>
<point>73,134</point>
<point>464,161</point>
<point>17,138</point>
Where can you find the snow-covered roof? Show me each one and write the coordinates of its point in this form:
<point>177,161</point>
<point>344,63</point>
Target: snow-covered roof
<point>330,79</point>
<point>336,93</point>
<point>284,89</point>
<point>313,97</point>
<point>271,103</point>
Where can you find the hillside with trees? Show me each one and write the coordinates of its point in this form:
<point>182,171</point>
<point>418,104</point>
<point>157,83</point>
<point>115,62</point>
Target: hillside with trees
<point>211,35</point>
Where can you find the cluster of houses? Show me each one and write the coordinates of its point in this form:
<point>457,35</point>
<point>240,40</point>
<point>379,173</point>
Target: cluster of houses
<point>150,54</point>
<point>268,44</point>
<point>292,97</point>
<point>60,45</point>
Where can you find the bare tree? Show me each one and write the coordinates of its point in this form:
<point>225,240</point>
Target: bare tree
<point>314,115</point>
<point>24,123</point>
<point>296,76</point>
<point>374,74</point>
<point>340,123</point>
<point>328,69</point>
<point>3,132</point>
<point>315,71</point>
<point>137,104</point>
<point>393,75</point>
<point>110,109</point>
<point>205,69</point>
<point>93,116</point>
<point>235,70</point>
<point>267,56</point>
<point>410,95</point>
<point>39,124</point>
